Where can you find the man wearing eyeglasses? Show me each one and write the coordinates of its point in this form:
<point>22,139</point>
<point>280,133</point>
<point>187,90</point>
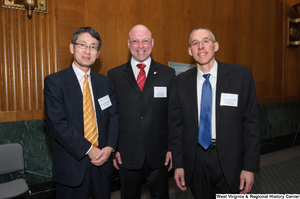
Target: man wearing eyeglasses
<point>81,113</point>
<point>214,123</point>
<point>142,90</point>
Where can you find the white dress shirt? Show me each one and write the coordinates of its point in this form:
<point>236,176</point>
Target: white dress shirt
<point>136,70</point>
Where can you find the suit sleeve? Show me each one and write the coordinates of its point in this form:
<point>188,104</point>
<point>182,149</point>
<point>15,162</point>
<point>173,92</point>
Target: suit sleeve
<point>169,96</point>
<point>176,128</point>
<point>113,119</point>
<point>60,124</point>
<point>250,125</point>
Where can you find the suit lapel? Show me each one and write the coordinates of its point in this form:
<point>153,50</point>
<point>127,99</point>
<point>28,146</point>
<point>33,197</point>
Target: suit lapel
<point>98,93</point>
<point>74,90</point>
<point>96,84</point>
<point>191,89</point>
<point>152,73</point>
<point>128,73</point>
<point>223,81</point>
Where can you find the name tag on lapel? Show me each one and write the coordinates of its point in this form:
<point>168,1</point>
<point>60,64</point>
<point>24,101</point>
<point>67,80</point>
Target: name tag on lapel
<point>160,92</point>
<point>104,102</point>
<point>228,99</point>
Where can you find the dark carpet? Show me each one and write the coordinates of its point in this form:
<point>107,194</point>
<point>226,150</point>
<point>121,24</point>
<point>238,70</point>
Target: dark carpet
<point>281,178</point>
<point>278,178</point>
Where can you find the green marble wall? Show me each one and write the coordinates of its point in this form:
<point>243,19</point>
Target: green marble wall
<point>279,119</point>
<point>276,120</point>
<point>36,140</point>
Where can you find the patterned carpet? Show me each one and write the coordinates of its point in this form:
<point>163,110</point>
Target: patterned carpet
<point>279,178</point>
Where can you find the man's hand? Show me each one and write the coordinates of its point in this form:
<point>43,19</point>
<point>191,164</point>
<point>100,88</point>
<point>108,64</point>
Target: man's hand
<point>102,156</point>
<point>246,181</point>
<point>169,160</point>
<point>94,153</point>
<point>117,159</point>
<point>179,178</point>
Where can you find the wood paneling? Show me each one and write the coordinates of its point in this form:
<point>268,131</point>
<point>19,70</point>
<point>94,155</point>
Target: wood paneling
<point>291,63</point>
<point>250,32</point>
<point>28,53</point>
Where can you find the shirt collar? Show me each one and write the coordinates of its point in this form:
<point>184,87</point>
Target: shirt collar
<point>147,62</point>
<point>213,72</point>
<point>79,73</point>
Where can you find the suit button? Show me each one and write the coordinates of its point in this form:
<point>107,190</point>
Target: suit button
<point>195,151</point>
<point>141,101</point>
<point>142,117</point>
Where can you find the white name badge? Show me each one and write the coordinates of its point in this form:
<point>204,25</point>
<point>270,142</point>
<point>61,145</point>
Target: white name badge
<point>228,99</point>
<point>104,102</point>
<point>160,91</point>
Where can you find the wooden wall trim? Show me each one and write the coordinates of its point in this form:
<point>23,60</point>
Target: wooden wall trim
<point>12,116</point>
<point>29,52</point>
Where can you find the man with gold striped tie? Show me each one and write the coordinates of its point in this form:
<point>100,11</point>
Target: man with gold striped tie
<point>81,113</point>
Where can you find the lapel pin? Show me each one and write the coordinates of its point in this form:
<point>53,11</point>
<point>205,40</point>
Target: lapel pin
<point>155,73</point>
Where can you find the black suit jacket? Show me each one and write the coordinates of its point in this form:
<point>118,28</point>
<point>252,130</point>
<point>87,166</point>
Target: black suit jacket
<point>237,128</point>
<point>64,114</point>
<point>144,131</point>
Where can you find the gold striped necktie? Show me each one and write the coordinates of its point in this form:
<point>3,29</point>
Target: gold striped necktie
<point>89,119</point>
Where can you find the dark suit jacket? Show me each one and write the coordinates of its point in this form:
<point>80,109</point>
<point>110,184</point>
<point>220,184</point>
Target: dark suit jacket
<point>144,128</point>
<point>237,128</point>
<point>64,114</point>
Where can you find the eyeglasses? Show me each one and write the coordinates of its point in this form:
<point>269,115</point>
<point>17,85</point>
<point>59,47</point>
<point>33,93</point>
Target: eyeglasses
<point>84,46</point>
<point>203,41</point>
<point>144,41</point>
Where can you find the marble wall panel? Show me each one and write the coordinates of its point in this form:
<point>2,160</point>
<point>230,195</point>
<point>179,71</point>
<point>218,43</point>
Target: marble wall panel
<point>36,140</point>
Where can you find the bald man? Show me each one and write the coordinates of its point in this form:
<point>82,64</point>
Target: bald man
<point>142,89</point>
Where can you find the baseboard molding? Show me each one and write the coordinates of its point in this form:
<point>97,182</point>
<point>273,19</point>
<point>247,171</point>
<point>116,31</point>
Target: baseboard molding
<point>278,143</point>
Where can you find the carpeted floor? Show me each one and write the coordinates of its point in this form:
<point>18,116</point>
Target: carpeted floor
<point>279,178</point>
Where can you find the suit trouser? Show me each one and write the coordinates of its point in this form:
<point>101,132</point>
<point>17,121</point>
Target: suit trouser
<point>156,179</point>
<point>208,178</point>
<point>95,183</point>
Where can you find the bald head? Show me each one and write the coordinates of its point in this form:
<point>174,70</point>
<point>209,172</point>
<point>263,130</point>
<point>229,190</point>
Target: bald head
<point>141,29</point>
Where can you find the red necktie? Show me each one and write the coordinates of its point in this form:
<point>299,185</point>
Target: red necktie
<point>141,78</point>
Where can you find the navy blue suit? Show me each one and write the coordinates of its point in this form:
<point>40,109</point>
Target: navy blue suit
<point>64,114</point>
